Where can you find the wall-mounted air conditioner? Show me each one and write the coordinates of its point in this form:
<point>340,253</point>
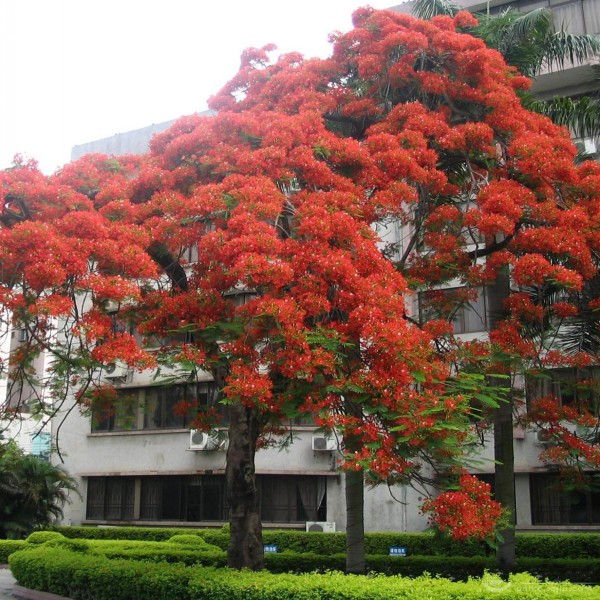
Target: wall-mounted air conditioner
<point>323,443</point>
<point>205,440</point>
<point>321,526</point>
<point>116,370</point>
<point>544,437</point>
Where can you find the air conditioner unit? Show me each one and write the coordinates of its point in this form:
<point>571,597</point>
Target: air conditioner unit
<point>321,526</point>
<point>116,371</point>
<point>322,443</point>
<point>589,146</point>
<point>544,438</point>
<point>205,440</point>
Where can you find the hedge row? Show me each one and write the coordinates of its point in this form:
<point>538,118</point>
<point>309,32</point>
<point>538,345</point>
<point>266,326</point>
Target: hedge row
<point>540,545</point>
<point>81,575</point>
<point>192,550</point>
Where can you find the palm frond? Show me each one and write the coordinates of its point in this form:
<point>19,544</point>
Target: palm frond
<point>575,48</point>
<point>427,9</point>
<point>580,115</point>
<point>582,333</point>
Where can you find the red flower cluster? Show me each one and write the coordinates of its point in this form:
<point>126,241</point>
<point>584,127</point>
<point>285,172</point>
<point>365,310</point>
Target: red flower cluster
<point>467,512</point>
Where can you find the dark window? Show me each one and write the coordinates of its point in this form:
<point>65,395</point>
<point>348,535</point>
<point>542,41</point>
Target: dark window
<point>110,498</point>
<point>466,316</point>
<point>177,406</point>
<point>287,499</point>
<point>195,498</point>
<point>189,498</point>
<point>122,416</point>
<point>550,505</point>
<point>579,388</point>
<point>158,407</point>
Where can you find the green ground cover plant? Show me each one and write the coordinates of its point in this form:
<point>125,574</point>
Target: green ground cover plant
<point>85,574</point>
<point>534,545</point>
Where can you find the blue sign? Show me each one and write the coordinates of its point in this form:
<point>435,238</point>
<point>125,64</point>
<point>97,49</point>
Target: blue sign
<point>270,548</point>
<point>398,551</point>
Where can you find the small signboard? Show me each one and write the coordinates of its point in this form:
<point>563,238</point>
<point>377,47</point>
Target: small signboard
<point>398,551</point>
<point>270,548</point>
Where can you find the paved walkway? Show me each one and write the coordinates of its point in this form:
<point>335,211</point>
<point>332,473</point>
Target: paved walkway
<point>6,583</point>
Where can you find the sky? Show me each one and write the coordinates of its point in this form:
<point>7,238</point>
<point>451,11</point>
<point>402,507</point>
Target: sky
<point>73,71</point>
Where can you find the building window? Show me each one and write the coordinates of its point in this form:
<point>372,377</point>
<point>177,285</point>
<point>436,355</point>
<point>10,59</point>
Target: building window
<point>110,498</point>
<point>467,315</point>
<point>578,388</point>
<point>552,506</point>
<point>193,498</point>
<point>158,407</point>
<point>286,499</point>
<point>197,498</point>
<point>40,445</point>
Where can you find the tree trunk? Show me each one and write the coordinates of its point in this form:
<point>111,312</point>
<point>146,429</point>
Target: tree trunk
<point>505,483</point>
<point>504,455</point>
<point>245,540</point>
<point>355,522</point>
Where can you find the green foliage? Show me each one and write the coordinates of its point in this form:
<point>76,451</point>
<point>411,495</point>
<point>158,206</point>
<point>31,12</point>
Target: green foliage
<point>559,546</point>
<point>534,545</point>
<point>192,541</point>
<point>82,546</point>
<point>39,537</point>
<point>32,492</point>
<point>7,547</point>
<point>76,575</point>
<point>228,585</point>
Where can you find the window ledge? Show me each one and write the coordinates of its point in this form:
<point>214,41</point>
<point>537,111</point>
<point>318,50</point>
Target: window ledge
<point>557,528</point>
<point>190,524</point>
<point>136,432</point>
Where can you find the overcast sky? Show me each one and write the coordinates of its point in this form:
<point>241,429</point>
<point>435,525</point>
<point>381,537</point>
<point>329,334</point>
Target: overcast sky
<point>73,71</point>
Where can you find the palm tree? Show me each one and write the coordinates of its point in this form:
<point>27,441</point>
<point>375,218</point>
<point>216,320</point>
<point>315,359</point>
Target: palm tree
<point>32,492</point>
<point>532,42</point>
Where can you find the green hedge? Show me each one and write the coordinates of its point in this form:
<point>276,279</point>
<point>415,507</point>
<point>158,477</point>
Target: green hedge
<point>559,545</point>
<point>223,585</point>
<point>80,575</point>
<point>86,575</point>
<point>454,567</point>
<point>541,545</point>
<point>7,547</point>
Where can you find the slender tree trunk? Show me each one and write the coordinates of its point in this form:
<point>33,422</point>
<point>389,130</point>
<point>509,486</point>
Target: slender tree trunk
<point>505,483</point>
<point>504,456</point>
<point>355,522</point>
<point>245,541</point>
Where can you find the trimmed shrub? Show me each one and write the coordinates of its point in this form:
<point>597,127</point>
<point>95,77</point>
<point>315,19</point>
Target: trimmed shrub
<point>76,575</point>
<point>81,546</point>
<point>40,537</point>
<point>558,545</point>
<point>7,547</point>
<point>192,541</point>
<point>541,545</point>
<point>224,584</point>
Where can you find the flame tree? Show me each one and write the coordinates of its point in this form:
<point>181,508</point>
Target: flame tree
<point>289,300</point>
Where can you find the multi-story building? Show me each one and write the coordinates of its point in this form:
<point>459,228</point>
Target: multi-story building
<point>143,465</point>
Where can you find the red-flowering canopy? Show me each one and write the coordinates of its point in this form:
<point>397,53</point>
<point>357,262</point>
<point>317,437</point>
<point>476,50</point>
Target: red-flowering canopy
<point>253,232</point>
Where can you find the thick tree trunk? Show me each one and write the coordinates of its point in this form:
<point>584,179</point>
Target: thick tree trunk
<point>245,541</point>
<point>504,456</point>
<point>355,522</point>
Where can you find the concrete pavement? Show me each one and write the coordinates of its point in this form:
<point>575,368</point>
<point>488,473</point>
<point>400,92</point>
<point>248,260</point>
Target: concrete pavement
<point>6,583</point>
